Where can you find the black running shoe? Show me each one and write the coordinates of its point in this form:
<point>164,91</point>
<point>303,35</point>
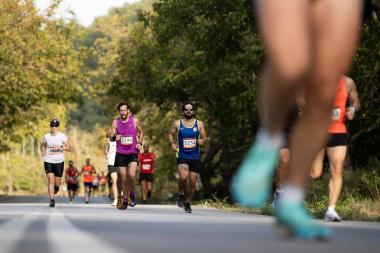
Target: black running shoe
<point>124,206</point>
<point>52,203</point>
<point>56,189</point>
<point>180,200</point>
<point>187,207</point>
<point>149,194</point>
<point>132,198</point>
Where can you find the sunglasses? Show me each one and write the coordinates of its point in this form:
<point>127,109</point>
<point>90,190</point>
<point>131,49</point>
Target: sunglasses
<point>54,126</point>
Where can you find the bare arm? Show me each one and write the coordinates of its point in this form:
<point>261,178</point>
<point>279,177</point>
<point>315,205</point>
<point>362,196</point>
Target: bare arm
<point>203,135</point>
<point>107,148</point>
<point>170,134</point>
<point>113,130</point>
<point>43,147</point>
<point>66,146</point>
<point>353,98</point>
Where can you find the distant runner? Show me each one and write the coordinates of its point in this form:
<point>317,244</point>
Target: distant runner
<point>336,148</point>
<point>191,135</point>
<point>88,172</point>
<point>147,168</point>
<point>72,180</point>
<point>52,149</point>
<point>114,185</point>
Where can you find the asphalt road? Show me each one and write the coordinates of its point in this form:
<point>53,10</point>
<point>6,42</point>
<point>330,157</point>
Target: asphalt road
<point>28,225</point>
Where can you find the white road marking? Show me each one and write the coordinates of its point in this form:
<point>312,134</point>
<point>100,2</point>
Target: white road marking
<point>66,238</point>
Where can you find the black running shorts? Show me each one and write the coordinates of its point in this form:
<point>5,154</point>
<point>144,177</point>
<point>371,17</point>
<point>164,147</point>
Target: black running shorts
<point>146,177</point>
<point>195,165</point>
<point>123,160</point>
<point>112,169</point>
<point>72,187</point>
<point>55,168</point>
<point>336,140</point>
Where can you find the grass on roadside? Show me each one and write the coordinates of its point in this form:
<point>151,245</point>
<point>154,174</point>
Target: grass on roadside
<point>359,200</point>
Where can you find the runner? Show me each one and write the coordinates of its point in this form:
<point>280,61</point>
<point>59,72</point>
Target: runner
<point>129,135</point>
<point>52,149</point>
<point>114,185</point>
<point>88,172</point>
<point>309,45</point>
<point>191,135</point>
<point>147,168</point>
<point>72,181</point>
<point>336,149</point>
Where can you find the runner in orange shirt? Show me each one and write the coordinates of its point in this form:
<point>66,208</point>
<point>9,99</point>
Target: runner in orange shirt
<point>88,171</point>
<point>336,148</point>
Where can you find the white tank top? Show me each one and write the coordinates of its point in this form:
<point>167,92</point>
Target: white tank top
<point>54,147</point>
<point>111,153</point>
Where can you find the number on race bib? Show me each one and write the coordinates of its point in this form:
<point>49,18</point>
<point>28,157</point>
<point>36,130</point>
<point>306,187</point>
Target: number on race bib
<point>146,166</point>
<point>126,140</point>
<point>189,143</point>
<point>335,114</point>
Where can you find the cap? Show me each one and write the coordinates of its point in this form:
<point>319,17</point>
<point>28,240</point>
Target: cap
<point>54,123</point>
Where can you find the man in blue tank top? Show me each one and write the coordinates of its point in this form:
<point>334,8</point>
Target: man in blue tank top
<point>191,135</point>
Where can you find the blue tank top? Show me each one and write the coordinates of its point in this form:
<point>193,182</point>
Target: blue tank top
<point>188,141</point>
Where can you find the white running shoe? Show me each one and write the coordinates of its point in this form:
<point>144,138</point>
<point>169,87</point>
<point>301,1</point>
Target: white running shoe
<point>114,202</point>
<point>332,215</point>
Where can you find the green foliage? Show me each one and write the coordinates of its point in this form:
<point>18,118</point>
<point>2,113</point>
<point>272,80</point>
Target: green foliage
<point>365,128</point>
<point>202,51</point>
<point>37,64</point>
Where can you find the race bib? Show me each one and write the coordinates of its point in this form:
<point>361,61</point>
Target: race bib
<point>57,150</point>
<point>146,166</point>
<point>126,140</point>
<point>335,114</point>
<point>189,143</point>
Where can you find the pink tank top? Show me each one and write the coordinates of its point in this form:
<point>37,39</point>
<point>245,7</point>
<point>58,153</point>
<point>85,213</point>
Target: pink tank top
<point>127,143</point>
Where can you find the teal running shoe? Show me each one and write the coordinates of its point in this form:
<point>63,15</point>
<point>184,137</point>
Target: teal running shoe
<point>293,220</point>
<point>251,185</point>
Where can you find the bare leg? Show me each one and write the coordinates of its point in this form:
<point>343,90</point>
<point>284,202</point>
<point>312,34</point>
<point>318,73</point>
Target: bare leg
<point>183,173</point>
<point>114,184</point>
<point>317,166</point>
<point>149,186</point>
<point>289,59</point>
<point>119,184</point>
<point>337,156</point>
<point>124,180</point>
<point>192,186</point>
<point>132,175</point>
<point>336,28</point>
<point>283,167</point>
<point>50,177</point>
<point>144,190</point>
<point>57,181</point>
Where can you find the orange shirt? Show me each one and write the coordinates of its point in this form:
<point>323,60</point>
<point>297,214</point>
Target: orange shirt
<point>338,116</point>
<point>87,173</point>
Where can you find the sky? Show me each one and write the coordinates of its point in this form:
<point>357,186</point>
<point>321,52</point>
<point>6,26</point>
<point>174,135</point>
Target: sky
<point>85,10</point>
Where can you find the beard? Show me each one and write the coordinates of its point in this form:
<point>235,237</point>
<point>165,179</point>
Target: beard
<point>188,116</point>
<point>123,117</point>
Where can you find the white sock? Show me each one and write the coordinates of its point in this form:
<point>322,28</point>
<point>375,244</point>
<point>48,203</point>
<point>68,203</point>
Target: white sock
<point>293,193</point>
<point>331,208</point>
<point>278,190</point>
<point>269,140</point>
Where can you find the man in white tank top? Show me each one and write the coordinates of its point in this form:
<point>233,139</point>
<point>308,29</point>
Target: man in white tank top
<point>52,149</point>
<point>110,153</point>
